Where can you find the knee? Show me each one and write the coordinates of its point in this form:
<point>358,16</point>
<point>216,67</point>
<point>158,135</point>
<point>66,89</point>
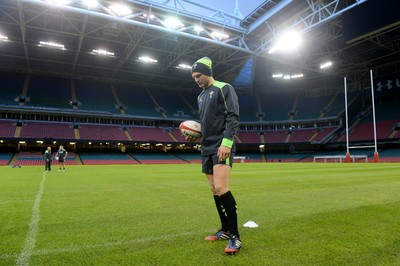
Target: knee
<point>213,190</point>
<point>220,190</point>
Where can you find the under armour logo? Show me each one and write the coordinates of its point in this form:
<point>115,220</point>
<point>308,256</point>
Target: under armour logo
<point>388,85</point>
<point>211,94</point>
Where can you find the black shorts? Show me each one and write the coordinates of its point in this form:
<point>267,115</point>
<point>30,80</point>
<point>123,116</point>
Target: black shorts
<point>60,160</point>
<point>208,162</point>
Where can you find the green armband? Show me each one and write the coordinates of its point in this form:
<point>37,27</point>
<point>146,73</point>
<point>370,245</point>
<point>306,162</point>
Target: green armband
<point>227,142</point>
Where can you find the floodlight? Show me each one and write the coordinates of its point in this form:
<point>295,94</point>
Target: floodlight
<point>184,66</point>
<point>278,75</point>
<point>325,65</point>
<point>198,28</point>
<point>120,10</point>
<point>102,52</point>
<point>286,77</point>
<point>296,76</point>
<point>173,23</point>
<point>90,3</point>
<point>51,44</point>
<point>151,16</point>
<point>220,35</point>
<point>147,59</point>
<point>288,42</point>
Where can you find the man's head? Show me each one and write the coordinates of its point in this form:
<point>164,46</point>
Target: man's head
<point>49,148</point>
<point>61,147</point>
<point>202,72</point>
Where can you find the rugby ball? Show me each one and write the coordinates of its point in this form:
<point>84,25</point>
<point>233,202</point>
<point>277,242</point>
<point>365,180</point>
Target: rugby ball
<point>190,128</point>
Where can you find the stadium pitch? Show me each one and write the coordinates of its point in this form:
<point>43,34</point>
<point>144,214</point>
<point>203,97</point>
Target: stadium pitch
<point>308,214</point>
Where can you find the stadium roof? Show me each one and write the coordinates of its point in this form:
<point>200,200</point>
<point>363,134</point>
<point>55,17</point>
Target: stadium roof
<point>143,32</point>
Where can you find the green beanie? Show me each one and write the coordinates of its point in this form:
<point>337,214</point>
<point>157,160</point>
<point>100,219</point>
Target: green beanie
<point>204,66</point>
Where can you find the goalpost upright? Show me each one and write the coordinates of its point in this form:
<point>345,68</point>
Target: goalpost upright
<point>376,155</point>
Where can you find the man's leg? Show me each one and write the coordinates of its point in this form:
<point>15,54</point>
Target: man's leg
<point>221,182</point>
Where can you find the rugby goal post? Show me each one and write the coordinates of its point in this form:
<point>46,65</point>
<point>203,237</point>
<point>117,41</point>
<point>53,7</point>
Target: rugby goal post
<point>348,156</point>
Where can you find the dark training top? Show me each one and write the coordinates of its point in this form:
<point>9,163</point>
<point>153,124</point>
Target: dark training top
<point>47,155</point>
<point>219,117</point>
<point>61,154</point>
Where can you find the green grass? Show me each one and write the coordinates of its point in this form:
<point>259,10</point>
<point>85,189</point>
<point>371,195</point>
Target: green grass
<point>308,214</point>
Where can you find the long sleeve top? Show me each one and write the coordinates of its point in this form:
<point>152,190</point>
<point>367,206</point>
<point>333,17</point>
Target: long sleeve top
<point>219,117</point>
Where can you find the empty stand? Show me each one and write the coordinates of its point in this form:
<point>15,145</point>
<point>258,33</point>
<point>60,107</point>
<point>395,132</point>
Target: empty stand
<point>248,108</point>
<point>5,157</point>
<point>43,130</point>
<point>95,96</point>
<point>249,137</point>
<point>11,87</point>
<point>172,103</point>
<point>137,101</point>
<point>37,158</point>
<point>106,158</point>
<point>49,92</point>
<point>277,106</point>
<point>150,134</point>
<point>102,132</point>
<point>7,129</point>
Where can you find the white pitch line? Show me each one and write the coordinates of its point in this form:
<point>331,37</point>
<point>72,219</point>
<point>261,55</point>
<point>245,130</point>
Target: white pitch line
<point>73,249</point>
<point>30,241</point>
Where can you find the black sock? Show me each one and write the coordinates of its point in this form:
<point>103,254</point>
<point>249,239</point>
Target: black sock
<point>229,207</point>
<point>222,217</point>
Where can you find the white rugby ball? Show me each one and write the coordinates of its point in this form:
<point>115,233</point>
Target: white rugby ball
<point>190,128</point>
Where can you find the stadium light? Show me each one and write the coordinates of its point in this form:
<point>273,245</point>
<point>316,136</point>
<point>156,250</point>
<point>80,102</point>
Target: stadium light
<point>184,66</point>
<point>151,16</point>
<point>288,42</point>
<point>286,77</point>
<point>325,65</point>
<point>220,35</point>
<point>120,10</point>
<point>278,75</point>
<point>147,59</point>
<point>296,76</point>
<point>173,23</point>
<point>198,28</point>
<point>3,38</point>
<point>102,52</point>
<point>51,45</point>
<point>90,3</point>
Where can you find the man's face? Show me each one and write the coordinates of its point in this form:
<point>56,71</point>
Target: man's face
<point>201,79</point>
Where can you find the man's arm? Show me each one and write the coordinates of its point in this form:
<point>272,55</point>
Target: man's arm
<point>232,115</point>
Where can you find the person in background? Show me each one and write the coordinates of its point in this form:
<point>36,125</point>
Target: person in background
<point>61,156</point>
<point>48,159</point>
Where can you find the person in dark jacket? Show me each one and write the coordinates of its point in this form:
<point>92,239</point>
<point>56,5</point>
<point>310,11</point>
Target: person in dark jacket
<point>48,159</point>
<point>61,156</point>
<point>219,118</point>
